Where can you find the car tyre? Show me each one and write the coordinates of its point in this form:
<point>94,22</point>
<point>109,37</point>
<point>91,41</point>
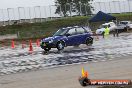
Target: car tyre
<point>84,81</point>
<point>89,41</point>
<point>60,45</point>
<point>125,29</point>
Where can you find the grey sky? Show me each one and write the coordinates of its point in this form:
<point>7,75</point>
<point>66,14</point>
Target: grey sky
<point>30,3</point>
<point>45,10</point>
<point>24,3</point>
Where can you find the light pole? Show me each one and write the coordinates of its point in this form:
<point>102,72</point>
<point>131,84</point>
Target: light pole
<point>118,5</point>
<point>20,12</point>
<point>8,12</point>
<point>34,14</point>
<point>70,9</point>
<point>24,13</point>
<point>85,9</point>
<point>99,5</point>
<point>60,11</point>
<point>95,10</point>
<point>30,14</point>
<point>65,11</point>
<point>50,11</point>
<point>114,5</point>
<point>3,17</point>
<point>104,7</point>
<point>110,7</point>
<point>128,4</point>
<point>129,7</point>
<point>39,13</point>
<point>124,7</point>
<point>13,13</point>
<point>80,8</point>
<point>45,13</point>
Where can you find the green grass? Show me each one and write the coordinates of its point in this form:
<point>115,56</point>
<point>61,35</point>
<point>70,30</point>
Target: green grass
<point>29,30</point>
<point>125,16</point>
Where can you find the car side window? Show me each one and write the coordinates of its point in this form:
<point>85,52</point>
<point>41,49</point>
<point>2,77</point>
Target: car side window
<point>72,31</point>
<point>80,30</point>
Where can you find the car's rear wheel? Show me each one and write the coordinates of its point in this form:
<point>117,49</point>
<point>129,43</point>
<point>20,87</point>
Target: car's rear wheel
<point>89,41</point>
<point>60,45</point>
<point>47,48</point>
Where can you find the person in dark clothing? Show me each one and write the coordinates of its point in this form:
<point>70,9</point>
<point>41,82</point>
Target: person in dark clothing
<point>116,32</point>
<point>103,34</point>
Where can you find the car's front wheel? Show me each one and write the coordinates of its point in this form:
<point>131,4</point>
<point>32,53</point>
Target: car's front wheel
<point>60,45</point>
<point>89,41</point>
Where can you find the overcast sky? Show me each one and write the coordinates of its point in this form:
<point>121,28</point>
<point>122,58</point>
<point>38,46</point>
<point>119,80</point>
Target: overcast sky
<point>49,11</point>
<point>24,3</point>
<point>30,3</point>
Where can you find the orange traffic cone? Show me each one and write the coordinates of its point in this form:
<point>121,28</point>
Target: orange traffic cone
<point>38,42</point>
<point>84,73</point>
<point>30,46</point>
<point>12,44</point>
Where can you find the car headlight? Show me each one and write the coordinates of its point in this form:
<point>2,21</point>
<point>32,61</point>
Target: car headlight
<point>51,41</point>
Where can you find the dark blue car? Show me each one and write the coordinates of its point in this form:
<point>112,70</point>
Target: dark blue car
<point>69,36</point>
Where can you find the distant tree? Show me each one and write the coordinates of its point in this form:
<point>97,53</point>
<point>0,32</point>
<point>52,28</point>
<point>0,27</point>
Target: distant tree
<point>80,7</point>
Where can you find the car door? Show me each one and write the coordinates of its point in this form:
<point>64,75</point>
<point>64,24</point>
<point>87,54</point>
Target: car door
<point>81,35</point>
<point>71,38</point>
<point>112,26</point>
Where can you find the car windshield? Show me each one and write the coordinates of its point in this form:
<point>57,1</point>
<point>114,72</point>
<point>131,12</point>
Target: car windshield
<point>60,32</point>
<point>103,26</point>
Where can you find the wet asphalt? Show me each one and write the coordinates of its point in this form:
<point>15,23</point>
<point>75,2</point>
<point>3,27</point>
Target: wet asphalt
<point>20,60</point>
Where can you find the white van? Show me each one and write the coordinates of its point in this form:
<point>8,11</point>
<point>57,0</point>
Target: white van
<point>110,25</point>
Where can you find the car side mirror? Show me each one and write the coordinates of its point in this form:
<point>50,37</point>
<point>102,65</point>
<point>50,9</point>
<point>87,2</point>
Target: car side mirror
<point>67,35</point>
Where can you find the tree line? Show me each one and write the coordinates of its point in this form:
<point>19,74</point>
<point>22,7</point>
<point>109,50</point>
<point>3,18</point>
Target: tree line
<point>69,7</point>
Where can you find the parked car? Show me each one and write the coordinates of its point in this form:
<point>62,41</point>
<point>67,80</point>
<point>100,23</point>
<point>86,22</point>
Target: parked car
<point>124,25</point>
<point>111,25</point>
<point>69,36</point>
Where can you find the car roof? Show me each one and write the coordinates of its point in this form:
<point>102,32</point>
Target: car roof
<point>125,21</point>
<point>71,27</point>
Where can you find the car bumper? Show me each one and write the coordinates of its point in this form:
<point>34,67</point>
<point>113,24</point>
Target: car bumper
<point>99,32</point>
<point>46,44</point>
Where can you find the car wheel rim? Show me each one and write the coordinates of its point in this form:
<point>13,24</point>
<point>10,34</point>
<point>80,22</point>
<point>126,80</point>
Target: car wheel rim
<point>60,46</point>
<point>88,41</point>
